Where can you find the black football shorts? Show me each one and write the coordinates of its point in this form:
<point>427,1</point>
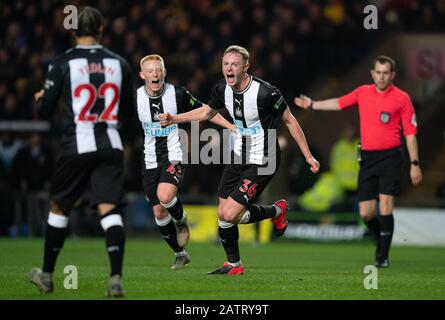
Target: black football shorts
<point>168,173</point>
<point>99,172</point>
<point>242,182</point>
<point>380,173</point>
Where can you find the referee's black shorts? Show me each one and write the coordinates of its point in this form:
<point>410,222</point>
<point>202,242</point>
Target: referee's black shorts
<point>99,172</point>
<point>380,173</point>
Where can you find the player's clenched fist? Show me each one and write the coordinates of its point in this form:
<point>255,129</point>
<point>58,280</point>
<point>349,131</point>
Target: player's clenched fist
<point>38,95</point>
<point>165,119</point>
<point>315,165</point>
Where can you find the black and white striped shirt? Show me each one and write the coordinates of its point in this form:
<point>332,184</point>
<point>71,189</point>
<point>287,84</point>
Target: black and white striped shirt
<point>94,87</point>
<point>254,111</point>
<point>162,144</point>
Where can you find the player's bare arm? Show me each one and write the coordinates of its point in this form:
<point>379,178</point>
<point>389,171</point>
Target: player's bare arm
<point>199,114</point>
<point>219,120</point>
<point>299,137</point>
<point>307,103</point>
<point>413,150</point>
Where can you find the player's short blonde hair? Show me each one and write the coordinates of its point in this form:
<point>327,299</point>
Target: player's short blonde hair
<point>155,57</point>
<point>240,50</point>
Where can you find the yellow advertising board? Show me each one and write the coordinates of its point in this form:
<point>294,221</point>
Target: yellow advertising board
<point>203,221</point>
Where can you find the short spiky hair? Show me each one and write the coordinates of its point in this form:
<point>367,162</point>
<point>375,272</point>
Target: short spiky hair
<point>240,50</point>
<point>90,22</point>
<point>156,57</point>
<point>383,60</point>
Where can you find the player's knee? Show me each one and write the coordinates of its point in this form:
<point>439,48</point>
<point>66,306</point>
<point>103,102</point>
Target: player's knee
<point>222,212</point>
<point>233,219</point>
<point>220,215</point>
<point>228,215</point>
<point>160,212</point>
<point>111,218</point>
<point>166,198</point>
<point>105,208</point>
<point>60,208</point>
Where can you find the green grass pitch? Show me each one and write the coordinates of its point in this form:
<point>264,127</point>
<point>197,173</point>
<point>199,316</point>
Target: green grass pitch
<point>277,271</point>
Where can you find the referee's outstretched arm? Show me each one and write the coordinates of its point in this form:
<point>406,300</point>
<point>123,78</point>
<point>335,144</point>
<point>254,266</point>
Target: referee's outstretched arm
<point>307,103</point>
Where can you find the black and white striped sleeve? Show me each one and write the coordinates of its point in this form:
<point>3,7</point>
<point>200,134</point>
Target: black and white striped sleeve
<point>188,101</point>
<point>127,103</point>
<point>276,101</point>
<point>52,90</point>
<point>216,101</point>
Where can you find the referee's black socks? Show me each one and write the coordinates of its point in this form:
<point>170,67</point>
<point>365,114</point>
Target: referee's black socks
<point>374,226</point>
<point>386,232</point>
<point>113,226</point>
<point>54,238</point>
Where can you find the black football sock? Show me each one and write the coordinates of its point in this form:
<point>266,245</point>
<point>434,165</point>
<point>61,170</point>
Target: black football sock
<point>168,232</point>
<point>257,212</point>
<point>174,208</point>
<point>114,239</point>
<point>55,234</point>
<point>54,239</point>
<point>229,239</point>
<point>386,232</point>
<point>374,226</point>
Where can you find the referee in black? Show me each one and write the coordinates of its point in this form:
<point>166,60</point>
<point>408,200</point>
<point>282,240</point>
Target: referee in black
<point>384,110</point>
<point>94,88</point>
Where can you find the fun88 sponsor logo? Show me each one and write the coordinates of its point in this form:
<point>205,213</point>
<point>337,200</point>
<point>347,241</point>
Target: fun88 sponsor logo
<point>247,131</point>
<point>155,129</point>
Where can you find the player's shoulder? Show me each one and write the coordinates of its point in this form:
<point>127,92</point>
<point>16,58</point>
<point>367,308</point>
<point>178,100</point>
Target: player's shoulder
<point>263,82</point>
<point>221,85</point>
<point>265,86</point>
<point>62,58</point>
<point>75,52</point>
<point>177,88</point>
<point>114,55</point>
<point>140,90</point>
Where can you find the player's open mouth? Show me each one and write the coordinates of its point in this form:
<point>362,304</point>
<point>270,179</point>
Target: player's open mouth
<point>155,81</point>
<point>230,77</point>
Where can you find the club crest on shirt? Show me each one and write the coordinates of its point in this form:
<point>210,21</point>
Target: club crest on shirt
<point>384,117</point>
<point>156,116</point>
<point>238,112</point>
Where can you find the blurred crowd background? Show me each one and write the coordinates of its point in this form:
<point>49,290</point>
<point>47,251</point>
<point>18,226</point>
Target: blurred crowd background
<point>294,44</point>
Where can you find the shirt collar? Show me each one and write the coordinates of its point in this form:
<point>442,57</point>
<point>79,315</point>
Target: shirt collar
<point>91,46</point>
<point>388,90</point>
